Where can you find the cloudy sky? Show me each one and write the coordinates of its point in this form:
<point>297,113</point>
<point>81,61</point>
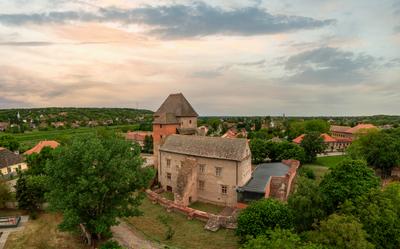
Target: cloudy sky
<point>236,57</point>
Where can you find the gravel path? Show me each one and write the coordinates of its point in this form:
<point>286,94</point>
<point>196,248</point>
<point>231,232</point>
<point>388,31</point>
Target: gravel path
<point>130,239</point>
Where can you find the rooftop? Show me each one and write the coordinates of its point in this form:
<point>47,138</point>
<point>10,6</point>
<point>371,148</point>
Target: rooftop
<point>38,147</point>
<point>261,175</point>
<point>8,158</point>
<point>211,147</point>
<point>327,138</point>
<point>177,105</point>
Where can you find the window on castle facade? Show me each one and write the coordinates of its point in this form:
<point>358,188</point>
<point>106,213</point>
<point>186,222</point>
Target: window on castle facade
<point>202,168</point>
<point>224,189</point>
<point>169,176</point>
<point>201,185</point>
<point>168,163</point>
<point>218,171</point>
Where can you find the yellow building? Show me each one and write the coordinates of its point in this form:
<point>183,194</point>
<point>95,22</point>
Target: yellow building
<point>10,162</point>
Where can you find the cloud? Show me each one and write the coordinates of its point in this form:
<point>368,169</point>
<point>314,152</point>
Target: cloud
<point>42,43</point>
<point>176,21</point>
<point>327,65</point>
<point>214,73</point>
<point>397,29</point>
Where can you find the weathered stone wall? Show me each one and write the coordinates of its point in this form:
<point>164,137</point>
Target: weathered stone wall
<point>214,222</point>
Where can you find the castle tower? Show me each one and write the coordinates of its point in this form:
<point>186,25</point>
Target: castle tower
<point>175,116</point>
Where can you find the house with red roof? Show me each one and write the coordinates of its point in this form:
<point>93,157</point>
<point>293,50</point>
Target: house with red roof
<point>348,132</point>
<point>138,136</point>
<point>38,147</point>
<point>332,144</point>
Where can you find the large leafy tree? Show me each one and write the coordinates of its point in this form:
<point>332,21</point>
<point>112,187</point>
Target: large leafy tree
<point>279,239</point>
<point>30,190</point>
<point>37,161</point>
<point>307,204</point>
<point>313,144</point>
<point>94,180</point>
<point>379,149</point>
<point>259,150</point>
<point>9,142</point>
<point>148,144</point>
<point>341,232</point>
<point>262,215</point>
<point>379,212</point>
<point>5,193</point>
<point>348,180</point>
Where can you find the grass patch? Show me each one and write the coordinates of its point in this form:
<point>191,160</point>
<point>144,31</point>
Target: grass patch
<point>42,233</point>
<point>168,195</point>
<point>330,161</point>
<point>188,233</point>
<point>207,207</point>
<point>319,170</point>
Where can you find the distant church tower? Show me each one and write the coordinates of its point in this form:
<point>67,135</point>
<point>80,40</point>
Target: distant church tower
<point>175,116</point>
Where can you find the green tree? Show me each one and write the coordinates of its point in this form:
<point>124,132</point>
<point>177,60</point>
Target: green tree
<point>312,144</point>
<point>148,144</point>
<point>95,180</point>
<point>37,162</point>
<point>316,125</point>
<point>379,212</point>
<point>9,142</point>
<point>30,190</point>
<point>5,193</point>
<point>379,149</point>
<point>259,150</point>
<point>348,180</point>
<point>341,232</point>
<point>286,150</point>
<point>262,215</point>
<point>279,239</point>
<point>307,204</point>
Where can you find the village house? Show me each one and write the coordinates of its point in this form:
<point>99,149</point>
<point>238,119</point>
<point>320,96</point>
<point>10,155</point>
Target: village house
<point>38,147</point>
<point>207,169</point>
<point>332,144</point>
<point>10,162</point>
<point>138,136</point>
<point>4,126</point>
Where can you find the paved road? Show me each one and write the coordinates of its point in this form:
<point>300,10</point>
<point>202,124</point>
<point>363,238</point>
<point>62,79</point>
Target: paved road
<point>130,239</point>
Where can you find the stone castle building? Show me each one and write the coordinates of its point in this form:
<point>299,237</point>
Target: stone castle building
<point>207,169</point>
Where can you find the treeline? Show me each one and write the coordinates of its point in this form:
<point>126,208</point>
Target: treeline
<point>21,120</point>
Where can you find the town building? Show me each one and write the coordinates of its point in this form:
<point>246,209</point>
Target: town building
<point>38,147</point>
<point>339,131</point>
<point>332,144</point>
<point>207,169</point>
<point>138,136</point>
<point>4,126</point>
<point>269,180</point>
<point>175,116</point>
<point>10,162</point>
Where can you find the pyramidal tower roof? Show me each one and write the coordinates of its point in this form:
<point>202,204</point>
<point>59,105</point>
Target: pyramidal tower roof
<point>177,105</point>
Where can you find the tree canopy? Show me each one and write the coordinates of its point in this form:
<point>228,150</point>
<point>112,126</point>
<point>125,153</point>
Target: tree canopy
<point>94,180</point>
<point>9,142</point>
<point>313,144</point>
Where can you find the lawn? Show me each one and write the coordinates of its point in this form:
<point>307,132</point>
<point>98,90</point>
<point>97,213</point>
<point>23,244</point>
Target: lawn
<point>42,233</point>
<point>319,170</point>
<point>207,207</point>
<point>188,233</point>
<point>330,161</point>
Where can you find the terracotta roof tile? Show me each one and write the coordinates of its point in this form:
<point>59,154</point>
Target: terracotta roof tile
<point>38,148</point>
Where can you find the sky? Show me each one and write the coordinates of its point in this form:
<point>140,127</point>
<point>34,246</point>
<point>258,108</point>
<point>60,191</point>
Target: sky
<point>236,57</point>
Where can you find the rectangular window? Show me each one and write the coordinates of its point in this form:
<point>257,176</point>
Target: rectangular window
<point>202,168</point>
<point>201,185</point>
<point>218,171</point>
<point>181,163</point>
<point>19,166</point>
<point>169,176</point>
<point>8,170</point>
<point>168,163</point>
<point>224,189</point>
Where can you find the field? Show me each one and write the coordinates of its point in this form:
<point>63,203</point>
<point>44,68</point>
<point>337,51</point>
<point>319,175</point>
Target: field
<point>323,164</point>
<point>29,139</point>
<point>42,233</point>
<point>188,233</point>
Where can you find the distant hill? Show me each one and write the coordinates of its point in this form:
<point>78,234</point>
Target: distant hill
<point>67,117</point>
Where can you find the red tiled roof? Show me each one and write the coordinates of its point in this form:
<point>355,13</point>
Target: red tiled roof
<point>361,127</point>
<point>339,128</point>
<point>38,148</point>
<point>326,137</point>
<point>229,134</point>
<point>137,135</point>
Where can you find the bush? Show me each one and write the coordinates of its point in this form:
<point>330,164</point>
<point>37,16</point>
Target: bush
<point>262,215</point>
<point>307,172</point>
